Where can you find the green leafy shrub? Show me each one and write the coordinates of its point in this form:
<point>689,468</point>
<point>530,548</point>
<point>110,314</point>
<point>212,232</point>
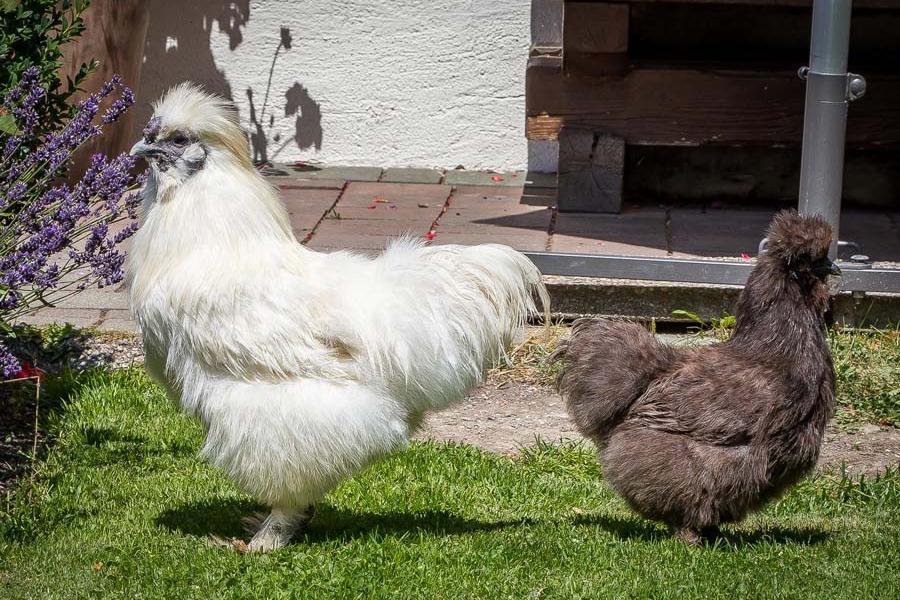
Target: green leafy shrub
<point>32,34</point>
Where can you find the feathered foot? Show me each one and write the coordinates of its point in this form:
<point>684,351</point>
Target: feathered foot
<point>689,535</point>
<point>277,529</point>
<point>695,537</point>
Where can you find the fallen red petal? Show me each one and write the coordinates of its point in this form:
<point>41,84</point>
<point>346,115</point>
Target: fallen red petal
<point>27,371</point>
<point>371,206</point>
<point>745,256</point>
<point>381,201</point>
<point>430,235</point>
<point>496,178</point>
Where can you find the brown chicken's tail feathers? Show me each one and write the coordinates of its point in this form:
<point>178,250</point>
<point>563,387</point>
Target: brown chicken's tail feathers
<point>606,366</point>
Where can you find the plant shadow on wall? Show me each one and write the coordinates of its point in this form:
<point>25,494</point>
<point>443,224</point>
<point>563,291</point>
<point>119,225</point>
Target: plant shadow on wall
<point>298,103</point>
<point>177,47</point>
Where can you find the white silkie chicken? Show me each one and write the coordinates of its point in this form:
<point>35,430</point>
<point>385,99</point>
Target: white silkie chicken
<point>303,367</point>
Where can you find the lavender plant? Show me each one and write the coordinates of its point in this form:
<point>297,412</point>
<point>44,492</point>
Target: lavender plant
<point>56,239</point>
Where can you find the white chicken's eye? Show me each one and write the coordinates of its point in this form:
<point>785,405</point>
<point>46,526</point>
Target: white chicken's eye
<point>180,139</point>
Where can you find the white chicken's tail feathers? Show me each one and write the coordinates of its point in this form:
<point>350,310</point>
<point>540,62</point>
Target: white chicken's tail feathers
<point>468,306</point>
<point>522,278</point>
<point>512,286</point>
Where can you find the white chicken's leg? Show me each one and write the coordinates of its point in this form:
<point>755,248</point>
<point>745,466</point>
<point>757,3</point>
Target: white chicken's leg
<point>277,529</point>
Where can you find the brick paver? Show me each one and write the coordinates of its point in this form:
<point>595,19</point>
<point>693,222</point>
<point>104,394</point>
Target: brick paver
<point>494,214</point>
<point>412,176</point>
<point>635,232</point>
<point>368,214</point>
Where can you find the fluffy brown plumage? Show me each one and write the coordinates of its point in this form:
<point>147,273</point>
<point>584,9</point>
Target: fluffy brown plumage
<point>698,437</point>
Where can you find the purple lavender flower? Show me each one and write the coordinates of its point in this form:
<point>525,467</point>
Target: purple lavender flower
<point>9,366</point>
<point>48,231</point>
<point>119,106</point>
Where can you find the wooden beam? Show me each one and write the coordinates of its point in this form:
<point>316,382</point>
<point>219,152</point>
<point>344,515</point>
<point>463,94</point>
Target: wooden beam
<point>669,106</point>
<point>595,38</point>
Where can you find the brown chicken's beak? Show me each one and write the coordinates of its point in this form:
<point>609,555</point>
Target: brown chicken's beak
<point>144,149</point>
<point>824,266</point>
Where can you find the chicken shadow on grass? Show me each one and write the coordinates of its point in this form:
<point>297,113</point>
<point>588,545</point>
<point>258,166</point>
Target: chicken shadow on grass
<point>636,528</point>
<point>117,445</point>
<point>222,518</point>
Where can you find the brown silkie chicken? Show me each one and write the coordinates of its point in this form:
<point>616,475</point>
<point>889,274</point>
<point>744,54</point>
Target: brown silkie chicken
<point>698,437</point>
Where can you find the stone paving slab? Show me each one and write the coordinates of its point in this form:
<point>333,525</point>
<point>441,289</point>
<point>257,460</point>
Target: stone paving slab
<point>367,244</point>
<point>507,178</point>
<point>306,207</point>
<point>79,317</point>
<point>877,231</point>
<point>700,232</point>
<point>292,183</point>
<point>341,173</point>
<point>520,241</point>
<point>116,320</point>
<point>403,195</point>
<point>364,218</point>
<point>91,298</point>
<point>350,224</point>
<point>397,175</point>
<point>634,232</point>
<point>487,214</point>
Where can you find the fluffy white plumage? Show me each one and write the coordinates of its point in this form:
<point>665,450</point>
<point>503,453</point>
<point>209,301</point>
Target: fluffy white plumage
<point>304,367</point>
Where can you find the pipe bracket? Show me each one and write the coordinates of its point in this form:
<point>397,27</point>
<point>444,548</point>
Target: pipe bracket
<point>856,86</point>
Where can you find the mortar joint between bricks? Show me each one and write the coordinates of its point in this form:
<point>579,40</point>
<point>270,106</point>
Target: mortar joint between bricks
<point>104,312</point>
<point>551,228</point>
<point>309,235</point>
<point>444,209</point>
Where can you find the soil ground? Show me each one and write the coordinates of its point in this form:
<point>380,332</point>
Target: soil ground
<point>502,417</point>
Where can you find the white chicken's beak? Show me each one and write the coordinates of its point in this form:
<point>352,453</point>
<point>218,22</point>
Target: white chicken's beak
<point>143,149</point>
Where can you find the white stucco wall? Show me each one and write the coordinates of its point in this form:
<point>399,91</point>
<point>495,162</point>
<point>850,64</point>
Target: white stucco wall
<point>385,82</point>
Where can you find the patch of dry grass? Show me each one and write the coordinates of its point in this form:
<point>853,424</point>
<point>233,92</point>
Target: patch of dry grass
<point>529,361</point>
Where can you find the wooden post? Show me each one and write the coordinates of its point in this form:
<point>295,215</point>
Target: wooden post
<point>591,170</point>
<point>114,35</point>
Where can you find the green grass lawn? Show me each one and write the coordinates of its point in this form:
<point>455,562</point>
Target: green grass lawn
<point>121,508</point>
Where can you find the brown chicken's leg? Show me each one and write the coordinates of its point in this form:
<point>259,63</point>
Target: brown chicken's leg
<point>693,536</point>
<point>688,535</point>
<point>277,529</point>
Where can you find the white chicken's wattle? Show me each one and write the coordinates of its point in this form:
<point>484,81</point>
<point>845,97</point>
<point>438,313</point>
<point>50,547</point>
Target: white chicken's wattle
<point>303,367</point>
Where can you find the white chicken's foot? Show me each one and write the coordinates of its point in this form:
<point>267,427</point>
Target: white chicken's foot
<point>277,529</point>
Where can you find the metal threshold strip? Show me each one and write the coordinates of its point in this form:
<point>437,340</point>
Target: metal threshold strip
<point>855,278</point>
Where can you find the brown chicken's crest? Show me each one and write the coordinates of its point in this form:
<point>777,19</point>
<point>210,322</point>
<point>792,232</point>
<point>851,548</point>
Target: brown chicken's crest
<point>792,236</point>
